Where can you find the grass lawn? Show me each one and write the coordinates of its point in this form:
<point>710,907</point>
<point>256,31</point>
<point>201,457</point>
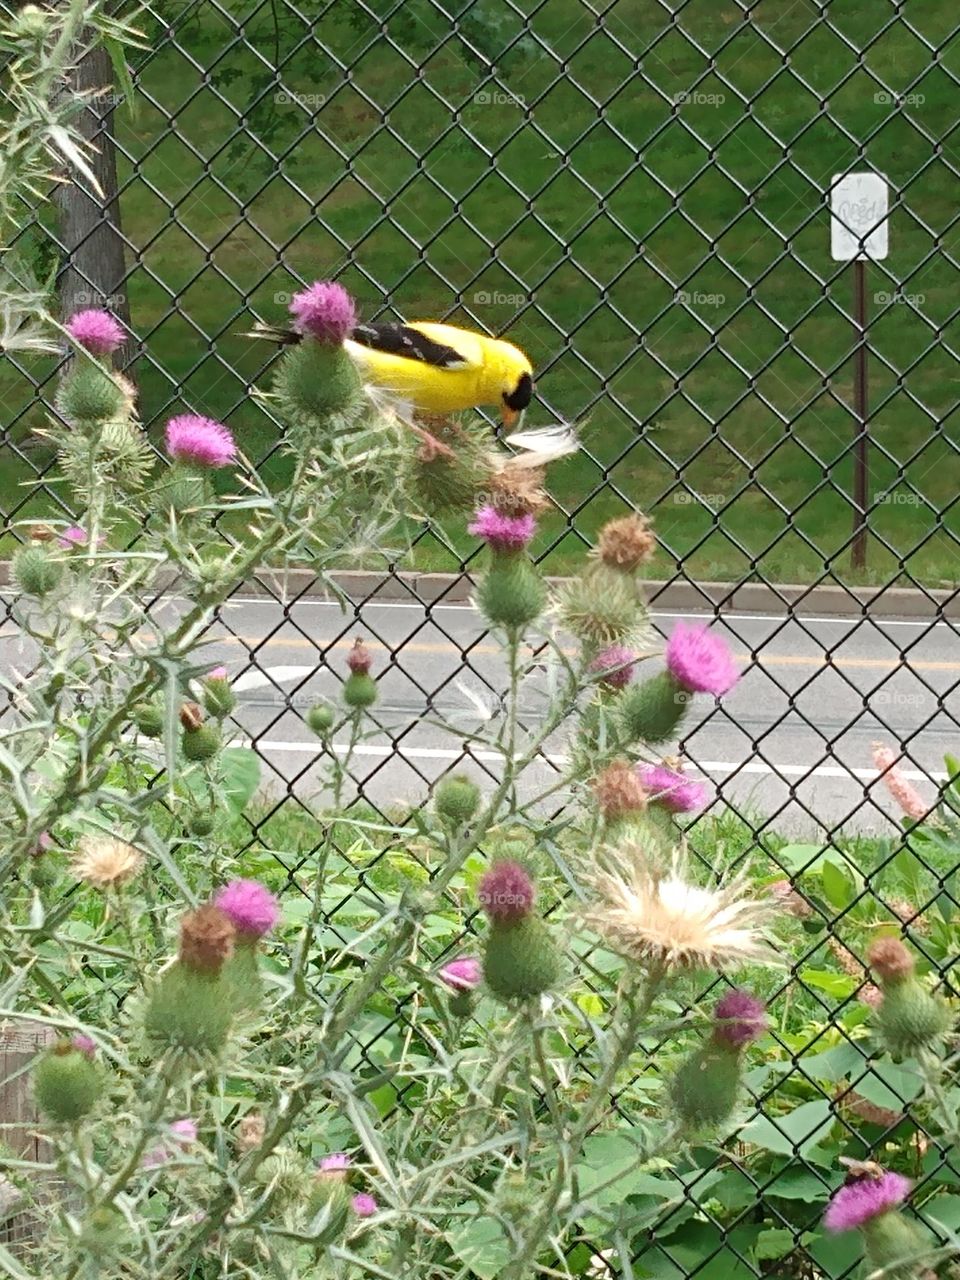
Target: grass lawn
<point>667,267</point>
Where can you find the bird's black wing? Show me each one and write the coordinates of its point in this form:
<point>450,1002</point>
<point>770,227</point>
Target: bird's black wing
<point>401,340</point>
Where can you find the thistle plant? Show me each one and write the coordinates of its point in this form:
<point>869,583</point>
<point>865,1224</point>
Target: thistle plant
<point>213,1098</point>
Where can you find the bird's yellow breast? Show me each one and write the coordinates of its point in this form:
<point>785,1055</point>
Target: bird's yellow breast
<point>490,368</point>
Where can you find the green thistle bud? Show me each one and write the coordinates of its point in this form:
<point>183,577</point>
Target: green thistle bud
<point>89,394</point>
<point>456,799</point>
<point>461,1003</point>
<point>104,1234</point>
<point>67,1084</point>
<point>520,959</point>
<point>652,710</point>
<point>321,719</point>
<point>242,974</point>
<point>35,571</point>
<point>218,698</point>
<point>289,1175</point>
<point>328,1207</point>
<point>148,717</point>
<point>511,593</point>
<point>911,1018</point>
<point>201,823</point>
<point>706,1087</point>
<point>890,1238</point>
<point>602,606</point>
<point>318,387</point>
<point>201,743</point>
<point>183,490</point>
<point>448,470</point>
<point>359,690</point>
<point>190,1009</point>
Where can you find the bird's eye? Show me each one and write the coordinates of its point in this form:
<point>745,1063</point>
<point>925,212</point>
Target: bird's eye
<point>521,395</point>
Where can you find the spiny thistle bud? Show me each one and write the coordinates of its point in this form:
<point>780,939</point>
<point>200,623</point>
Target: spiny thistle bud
<point>359,659</point>
<point>317,383</point>
<point>448,468</point>
<point>359,688</point>
<point>511,593</point>
<point>321,719</point>
<point>218,698</point>
<point>619,793</point>
<point>201,823</point>
<point>31,23</point>
<point>328,1207</point>
<point>289,1175</point>
<point>870,1202</point>
<point>191,1006</point>
<point>627,543</point>
<point>89,394</point>
<point>520,959</point>
<point>201,743</point>
<point>67,1083</point>
<point>148,717</point>
<point>909,1016</point>
<point>705,1089</point>
<point>601,606</point>
<point>456,799</point>
<point>35,571</point>
<point>182,491</point>
<point>651,711</point>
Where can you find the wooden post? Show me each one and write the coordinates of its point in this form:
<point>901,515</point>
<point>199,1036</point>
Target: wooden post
<point>19,1128</point>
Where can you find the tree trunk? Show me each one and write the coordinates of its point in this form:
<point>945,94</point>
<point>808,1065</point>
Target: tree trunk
<point>94,273</point>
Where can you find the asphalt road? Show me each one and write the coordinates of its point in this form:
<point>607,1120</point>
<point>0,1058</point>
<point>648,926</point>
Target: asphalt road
<point>792,742</point>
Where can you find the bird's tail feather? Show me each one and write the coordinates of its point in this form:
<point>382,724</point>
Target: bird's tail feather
<point>273,333</point>
<point>544,444</point>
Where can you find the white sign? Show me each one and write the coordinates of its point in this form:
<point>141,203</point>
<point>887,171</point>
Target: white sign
<point>858,222</point>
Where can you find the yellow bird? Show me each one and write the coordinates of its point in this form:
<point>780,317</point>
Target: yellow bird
<point>437,368</point>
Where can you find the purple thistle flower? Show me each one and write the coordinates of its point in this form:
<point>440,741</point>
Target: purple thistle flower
<point>44,842</point>
<point>84,1044</point>
<point>671,789</point>
<point>325,311</point>
<point>506,892</point>
<point>73,536</point>
<point>700,660</point>
<point>462,974</point>
<point>250,905</point>
<point>96,331</point>
<point>200,441</point>
<point>184,1131</point>
<point>154,1158</point>
<point>502,533</point>
<point>335,1165</point>
<point>364,1205</point>
<point>740,1019</point>
<point>218,673</point>
<point>617,662</point>
<point>857,1202</point>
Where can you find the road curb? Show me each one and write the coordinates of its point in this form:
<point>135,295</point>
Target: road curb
<point>666,596</point>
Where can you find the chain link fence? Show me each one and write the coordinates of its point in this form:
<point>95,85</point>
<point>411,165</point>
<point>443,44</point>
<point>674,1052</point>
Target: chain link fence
<point>639,195</point>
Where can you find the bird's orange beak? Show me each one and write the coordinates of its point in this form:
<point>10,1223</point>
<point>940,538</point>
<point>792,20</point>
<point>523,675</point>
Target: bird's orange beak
<point>510,416</point>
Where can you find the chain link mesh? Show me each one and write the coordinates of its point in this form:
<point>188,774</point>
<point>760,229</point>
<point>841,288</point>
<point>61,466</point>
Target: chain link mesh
<point>639,193</point>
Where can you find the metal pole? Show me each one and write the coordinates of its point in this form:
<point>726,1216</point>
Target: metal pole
<point>860,497</point>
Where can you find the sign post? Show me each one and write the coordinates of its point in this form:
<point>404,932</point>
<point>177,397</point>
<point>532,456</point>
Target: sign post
<point>858,231</point>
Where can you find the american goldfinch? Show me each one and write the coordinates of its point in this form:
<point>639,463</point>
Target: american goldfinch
<point>436,368</point>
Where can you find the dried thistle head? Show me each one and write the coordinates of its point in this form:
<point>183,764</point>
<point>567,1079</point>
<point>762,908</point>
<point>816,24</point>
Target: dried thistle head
<point>517,489</point>
<point>626,543</point>
<point>105,862</point>
<point>618,791</point>
<point>206,939</point>
<point>890,960</point>
<point>250,1131</point>
<point>191,716</point>
<point>658,918</point>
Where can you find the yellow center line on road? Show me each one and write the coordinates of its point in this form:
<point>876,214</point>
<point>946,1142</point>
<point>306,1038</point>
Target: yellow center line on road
<point>421,646</point>
<point>439,647</point>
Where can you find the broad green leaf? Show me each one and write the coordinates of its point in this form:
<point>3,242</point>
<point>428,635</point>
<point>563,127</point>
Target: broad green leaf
<point>241,775</point>
<point>840,985</point>
<point>838,885</point>
<point>775,1243</point>
<point>793,1183</point>
<point>800,857</point>
<point>836,1063</point>
<point>796,1133</point>
<point>480,1244</point>
<point>943,1211</point>
<point>889,1085</point>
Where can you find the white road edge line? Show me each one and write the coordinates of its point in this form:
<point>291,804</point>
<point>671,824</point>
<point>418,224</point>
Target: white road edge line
<point>489,757</point>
